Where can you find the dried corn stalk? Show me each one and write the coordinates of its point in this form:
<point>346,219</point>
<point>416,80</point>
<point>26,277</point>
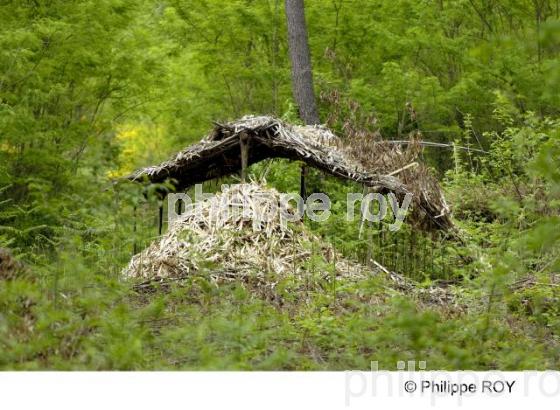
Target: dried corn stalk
<point>236,233</point>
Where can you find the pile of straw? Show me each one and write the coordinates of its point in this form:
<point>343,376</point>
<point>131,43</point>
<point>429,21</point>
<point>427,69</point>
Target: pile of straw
<point>238,234</point>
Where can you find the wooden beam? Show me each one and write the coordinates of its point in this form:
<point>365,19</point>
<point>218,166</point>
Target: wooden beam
<point>244,145</point>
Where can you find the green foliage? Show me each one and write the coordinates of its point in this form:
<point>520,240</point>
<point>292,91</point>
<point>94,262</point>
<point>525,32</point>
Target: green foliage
<point>196,325</point>
<point>91,89</point>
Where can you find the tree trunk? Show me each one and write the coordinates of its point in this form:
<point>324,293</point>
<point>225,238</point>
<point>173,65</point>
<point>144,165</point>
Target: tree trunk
<point>302,76</point>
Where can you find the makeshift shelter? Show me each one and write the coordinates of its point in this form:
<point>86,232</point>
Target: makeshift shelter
<point>233,248</point>
<point>230,148</point>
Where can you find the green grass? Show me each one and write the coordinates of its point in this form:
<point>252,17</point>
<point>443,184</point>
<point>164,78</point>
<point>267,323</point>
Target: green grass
<point>93,322</point>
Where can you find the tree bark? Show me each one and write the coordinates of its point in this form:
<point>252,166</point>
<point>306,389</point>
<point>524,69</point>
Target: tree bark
<point>302,76</point>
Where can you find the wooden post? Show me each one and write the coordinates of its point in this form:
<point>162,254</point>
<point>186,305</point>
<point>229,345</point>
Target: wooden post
<point>244,146</point>
<point>160,224</point>
<point>134,229</point>
<point>365,191</point>
<point>302,187</point>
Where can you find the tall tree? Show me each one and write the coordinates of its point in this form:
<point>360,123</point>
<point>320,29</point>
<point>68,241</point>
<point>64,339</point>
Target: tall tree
<point>302,76</point>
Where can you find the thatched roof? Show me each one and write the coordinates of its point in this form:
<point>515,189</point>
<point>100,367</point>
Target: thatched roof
<point>233,146</point>
<point>218,154</point>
